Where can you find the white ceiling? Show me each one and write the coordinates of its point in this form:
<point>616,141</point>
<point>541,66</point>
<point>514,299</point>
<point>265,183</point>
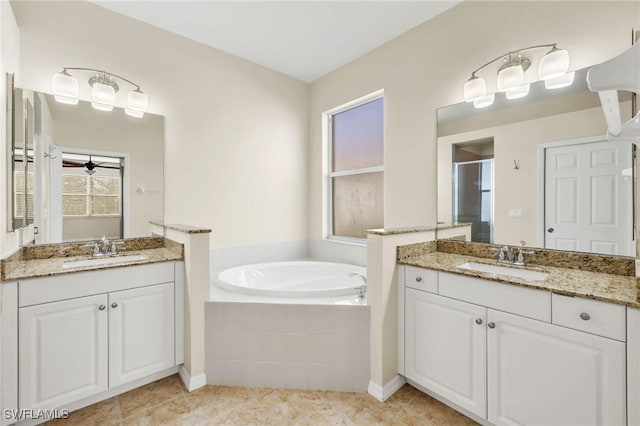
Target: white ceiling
<point>303,39</point>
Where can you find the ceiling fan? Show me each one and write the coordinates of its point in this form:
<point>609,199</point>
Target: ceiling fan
<point>89,166</point>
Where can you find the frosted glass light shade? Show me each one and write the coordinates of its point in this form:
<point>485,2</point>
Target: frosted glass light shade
<point>65,88</point>
<point>518,92</point>
<point>134,113</point>
<point>137,104</point>
<point>474,88</point>
<point>510,78</point>
<point>553,64</point>
<point>103,97</point>
<point>563,80</point>
<point>484,101</point>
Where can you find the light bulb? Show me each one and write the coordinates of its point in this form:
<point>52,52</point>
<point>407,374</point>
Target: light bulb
<point>103,96</point>
<point>518,92</point>
<point>484,101</point>
<point>474,88</point>
<point>553,64</point>
<point>65,88</point>
<point>137,103</point>
<point>510,78</point>
<point>563,80</point>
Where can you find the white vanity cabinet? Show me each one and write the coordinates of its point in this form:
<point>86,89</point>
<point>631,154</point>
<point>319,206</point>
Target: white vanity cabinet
<point>542,374</point>
<point>446,348</point>
<point>63,351</point>
<point>494,351</point>
<point>86,333</point>
<point>141,332</point>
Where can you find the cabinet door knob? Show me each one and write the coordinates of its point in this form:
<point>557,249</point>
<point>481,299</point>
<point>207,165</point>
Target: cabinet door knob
<point>418,279</point>
<point>585,316</point>
<point>492,324</point>
<point>114,305</point>
<point>478,321</point>
<point>102,307</point>
<point>550,230</point>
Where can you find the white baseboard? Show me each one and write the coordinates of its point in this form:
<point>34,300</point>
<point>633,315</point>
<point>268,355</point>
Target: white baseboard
<point>382,393</point>
<point>192,383</point>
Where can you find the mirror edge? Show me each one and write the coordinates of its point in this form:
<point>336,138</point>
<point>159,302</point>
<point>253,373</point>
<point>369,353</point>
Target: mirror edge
<point>10,85</point>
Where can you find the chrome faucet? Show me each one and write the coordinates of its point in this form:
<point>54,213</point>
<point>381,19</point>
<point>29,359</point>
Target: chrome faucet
<point>362,290</point>
<point>513,256</point>
<point>359,275</point>
<point>104,247</point>
<point>505,255</point>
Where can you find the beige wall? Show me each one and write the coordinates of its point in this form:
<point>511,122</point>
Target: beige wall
<point>518,189</point>
<point>235,132</point>
<point>424,69</point>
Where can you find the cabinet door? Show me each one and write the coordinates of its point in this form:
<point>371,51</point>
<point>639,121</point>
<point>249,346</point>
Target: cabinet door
<point>446,348</point>
<point>62,351</point>
<point>542,374</point>
<point>141,332</point>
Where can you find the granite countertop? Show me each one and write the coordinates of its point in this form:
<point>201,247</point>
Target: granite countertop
<point>620,289</point>
<point>48,260</point>
<point>414,229</point>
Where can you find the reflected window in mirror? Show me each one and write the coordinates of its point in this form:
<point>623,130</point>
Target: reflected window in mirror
<point>126,190</point>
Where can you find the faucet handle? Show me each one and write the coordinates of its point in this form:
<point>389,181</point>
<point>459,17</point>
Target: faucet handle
<point>96,249</point>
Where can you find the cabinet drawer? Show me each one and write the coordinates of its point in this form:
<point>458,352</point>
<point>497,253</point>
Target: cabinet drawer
<point>592,316</point>
<point>517,300</point>
<point>34,291</point>
<point>421,279</point>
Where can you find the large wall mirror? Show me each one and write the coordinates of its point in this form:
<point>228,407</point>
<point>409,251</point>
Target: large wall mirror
<point>80,174</point>
<point>540,170</point>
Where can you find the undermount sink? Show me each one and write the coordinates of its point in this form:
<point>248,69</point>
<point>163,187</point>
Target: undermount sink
<point>503,270</point>
<point>99,261</point>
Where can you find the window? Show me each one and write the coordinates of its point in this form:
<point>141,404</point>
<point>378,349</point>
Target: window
<point>18,198</point>
<point>84,195</point>
<point>356,168</point>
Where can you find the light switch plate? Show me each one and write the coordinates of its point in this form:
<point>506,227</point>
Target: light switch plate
<point>515,212</point>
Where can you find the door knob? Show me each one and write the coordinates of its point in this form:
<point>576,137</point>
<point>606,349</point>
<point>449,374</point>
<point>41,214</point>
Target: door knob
<point>492,324</point>
<point>550,230</point>
<point>114,305</point>
<point>585,316</point>
<point>418,279</point>
<point>101,307</point>
<point>478,321</point>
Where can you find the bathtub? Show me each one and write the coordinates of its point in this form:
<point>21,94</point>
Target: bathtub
<point>295,279</point>
<point>299,325</point>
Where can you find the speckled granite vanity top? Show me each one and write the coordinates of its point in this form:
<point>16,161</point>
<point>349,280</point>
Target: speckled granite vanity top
<point>606,278</point>
<point>49,259</point>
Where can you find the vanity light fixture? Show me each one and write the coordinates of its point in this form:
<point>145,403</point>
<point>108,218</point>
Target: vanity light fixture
<point>103,91</point>
<point>552,68</point>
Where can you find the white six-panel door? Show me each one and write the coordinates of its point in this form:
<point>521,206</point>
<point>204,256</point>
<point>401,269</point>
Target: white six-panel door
<point>446,348</point>
<point>542,374</point>
<point>141,332</point>
<point>63,352</point>
<point>588,198</point>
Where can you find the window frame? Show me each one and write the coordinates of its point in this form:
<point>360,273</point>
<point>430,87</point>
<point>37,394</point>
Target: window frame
<point>88,196</point>
<point>328,234</point>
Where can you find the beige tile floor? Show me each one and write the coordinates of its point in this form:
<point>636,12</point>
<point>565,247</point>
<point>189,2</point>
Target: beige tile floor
<point>166,402</point>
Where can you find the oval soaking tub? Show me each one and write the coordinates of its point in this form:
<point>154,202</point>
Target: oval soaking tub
<point>295,279</point>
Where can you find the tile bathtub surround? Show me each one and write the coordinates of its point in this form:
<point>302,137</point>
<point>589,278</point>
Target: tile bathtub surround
<point>167,402</point>
<point>615,265</point>
<point>287,346</point>
<point>47,259</point>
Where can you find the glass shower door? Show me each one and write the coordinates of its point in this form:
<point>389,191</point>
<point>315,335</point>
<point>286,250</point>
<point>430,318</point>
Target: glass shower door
<point>473,197</point>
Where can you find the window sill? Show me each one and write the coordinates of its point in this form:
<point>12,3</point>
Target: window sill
<point>358,242</point>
